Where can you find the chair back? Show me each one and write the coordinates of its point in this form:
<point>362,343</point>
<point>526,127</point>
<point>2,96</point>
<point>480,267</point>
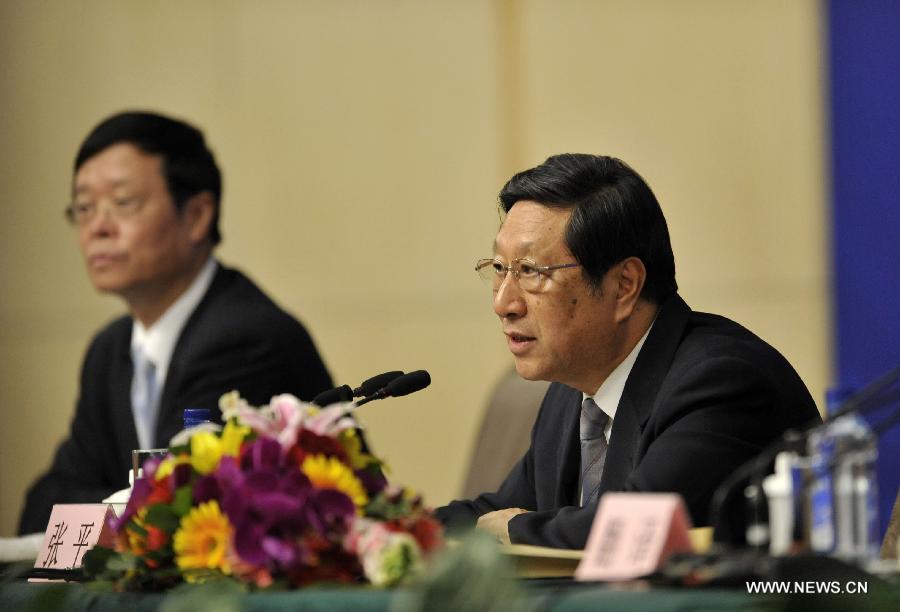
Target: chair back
<point>505,432</point>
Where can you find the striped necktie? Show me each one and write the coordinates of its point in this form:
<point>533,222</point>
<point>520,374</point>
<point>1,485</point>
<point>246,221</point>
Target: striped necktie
<point>593,448</point>
<point>143,397</point>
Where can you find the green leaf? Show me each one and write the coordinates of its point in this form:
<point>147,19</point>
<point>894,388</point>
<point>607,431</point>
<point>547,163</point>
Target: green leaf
<point>121,562</point>
<point>162,516</point>
<point>181,505</point>
<point>139,530</point>
<point>95,560</point>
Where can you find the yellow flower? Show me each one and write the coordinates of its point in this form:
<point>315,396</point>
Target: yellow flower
<point>232,437</point>
<point>350,441</point>
<point>330,473</point>
<point>137,542</point>
<point>207,448</point>
<point>202,539</point>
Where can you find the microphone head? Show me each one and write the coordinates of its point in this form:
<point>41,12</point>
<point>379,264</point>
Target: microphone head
<point>333,396</point>
<point>376,383</point>
<point>408,383</point>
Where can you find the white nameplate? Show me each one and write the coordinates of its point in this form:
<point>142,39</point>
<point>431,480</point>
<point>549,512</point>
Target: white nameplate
<point>73,530</point>
<point>632,534</point>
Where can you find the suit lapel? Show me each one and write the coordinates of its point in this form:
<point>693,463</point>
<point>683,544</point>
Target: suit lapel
<point>640,391</point>
<point>568,460</point>
<point>120,395</point>
<point>169,420</point>
<point>622,441</point>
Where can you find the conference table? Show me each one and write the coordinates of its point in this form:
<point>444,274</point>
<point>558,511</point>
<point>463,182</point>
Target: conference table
<point>474,593</point>
<point>549,595</point>
<point>513,578</point>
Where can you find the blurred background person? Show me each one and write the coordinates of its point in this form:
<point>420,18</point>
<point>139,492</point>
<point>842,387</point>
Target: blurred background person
<point>145,205</point>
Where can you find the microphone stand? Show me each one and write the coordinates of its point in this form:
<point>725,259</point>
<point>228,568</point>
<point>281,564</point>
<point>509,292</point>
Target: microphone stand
<point>866,399</point>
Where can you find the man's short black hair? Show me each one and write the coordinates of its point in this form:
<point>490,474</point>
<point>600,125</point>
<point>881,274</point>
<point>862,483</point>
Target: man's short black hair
<point>189,167</point>
<point>614,216</point>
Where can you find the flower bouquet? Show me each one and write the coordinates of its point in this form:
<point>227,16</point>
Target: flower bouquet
<point>284,495</point>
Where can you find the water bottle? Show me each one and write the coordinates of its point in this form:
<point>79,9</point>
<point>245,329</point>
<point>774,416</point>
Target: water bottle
<point>820,491</point>
<point>842,495</point>
<point>195,419</point>
<point>856,495</point>
<point>855,481</point>
<point>781,491</point>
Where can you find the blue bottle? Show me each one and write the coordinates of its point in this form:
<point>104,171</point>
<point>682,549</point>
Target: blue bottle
<point>195,416</point>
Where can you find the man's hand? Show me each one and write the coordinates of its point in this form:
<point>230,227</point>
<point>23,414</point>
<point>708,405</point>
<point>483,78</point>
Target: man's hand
<point>496,523</point>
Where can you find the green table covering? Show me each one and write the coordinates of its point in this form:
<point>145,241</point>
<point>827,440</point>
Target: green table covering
<point>532,596</point>
<point>562,598</point>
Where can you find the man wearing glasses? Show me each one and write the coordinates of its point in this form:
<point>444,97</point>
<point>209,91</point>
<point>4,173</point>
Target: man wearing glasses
<point>647,395</point>
<point>145,209</point>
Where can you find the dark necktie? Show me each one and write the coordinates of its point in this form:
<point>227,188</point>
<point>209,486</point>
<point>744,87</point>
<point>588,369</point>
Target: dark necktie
<point>593,448</point>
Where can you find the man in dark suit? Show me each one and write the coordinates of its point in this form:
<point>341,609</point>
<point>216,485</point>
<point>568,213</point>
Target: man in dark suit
<point>647,395</point>
<point>146,194</point>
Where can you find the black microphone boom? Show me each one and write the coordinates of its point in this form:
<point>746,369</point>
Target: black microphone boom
<point>333,396</point>
<point>372,385</point>
<point>408,383</point>
<point>402,385</point>
<point>345,394</point>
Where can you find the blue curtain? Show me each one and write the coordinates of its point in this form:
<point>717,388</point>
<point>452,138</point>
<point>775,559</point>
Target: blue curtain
<point>864,66</point>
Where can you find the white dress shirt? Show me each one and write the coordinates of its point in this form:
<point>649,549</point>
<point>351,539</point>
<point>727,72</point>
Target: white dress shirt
<point>610,392</point>
<point>158,341</point>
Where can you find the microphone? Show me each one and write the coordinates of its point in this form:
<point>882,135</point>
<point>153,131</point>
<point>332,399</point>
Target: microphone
<point>402,385</point>
<point>372,385</point>
<point>345,394</point>
<point>333,396</point>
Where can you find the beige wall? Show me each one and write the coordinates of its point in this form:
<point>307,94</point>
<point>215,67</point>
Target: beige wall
<point>363,144</point>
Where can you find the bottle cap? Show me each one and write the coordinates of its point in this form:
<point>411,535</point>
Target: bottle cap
<point>195,416</point>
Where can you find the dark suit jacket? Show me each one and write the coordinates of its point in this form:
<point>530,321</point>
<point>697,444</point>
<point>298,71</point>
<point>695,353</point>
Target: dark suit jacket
<point>704,396</point>
<point>237,338</point>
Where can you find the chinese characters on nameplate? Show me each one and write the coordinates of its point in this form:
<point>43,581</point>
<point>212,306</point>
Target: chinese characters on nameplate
<point>72,531</point>
<point>632,534</point>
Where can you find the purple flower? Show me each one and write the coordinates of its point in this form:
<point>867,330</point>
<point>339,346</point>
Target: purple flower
<point>140,491</point>
<point>181,475</point>
<point>276,511</point>
<point>206,488</point>
<point>330,512</point>
<point>262,453</point>
<point>372,479</point>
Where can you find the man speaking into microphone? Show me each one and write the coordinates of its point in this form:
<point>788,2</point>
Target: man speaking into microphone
<point>647,394</point>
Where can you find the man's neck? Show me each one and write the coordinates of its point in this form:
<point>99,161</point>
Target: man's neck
<point>633,330</point>
<point>150,303</point>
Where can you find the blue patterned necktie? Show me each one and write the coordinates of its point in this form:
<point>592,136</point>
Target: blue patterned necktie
<point>143,397</point>
<point>593,448</point>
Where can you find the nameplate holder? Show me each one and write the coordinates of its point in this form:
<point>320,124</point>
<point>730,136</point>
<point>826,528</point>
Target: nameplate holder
<point>72,531</point>
<point>633,534</point>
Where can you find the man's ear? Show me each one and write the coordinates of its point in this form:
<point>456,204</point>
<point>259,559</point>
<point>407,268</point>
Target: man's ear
<point>630,276</point>
<point>198,213</point>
